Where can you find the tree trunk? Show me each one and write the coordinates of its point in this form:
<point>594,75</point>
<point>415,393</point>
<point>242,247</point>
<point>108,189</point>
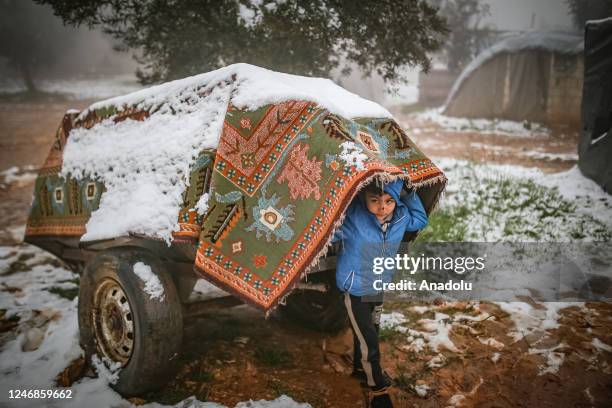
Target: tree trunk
<point>26,74</point>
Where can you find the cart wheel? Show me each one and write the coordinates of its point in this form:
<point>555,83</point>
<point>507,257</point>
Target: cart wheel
<point>321,311</point>
<point>120,321</point>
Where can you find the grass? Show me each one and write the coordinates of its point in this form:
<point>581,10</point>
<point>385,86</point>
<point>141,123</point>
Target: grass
<point>7,324</point>
<point>20,264</point>
<point>69,293</point>
<point>405,380</point>
<point>445,226</point>
<point>66,293</point>
<point>389,334</point>
<point>493,207</point>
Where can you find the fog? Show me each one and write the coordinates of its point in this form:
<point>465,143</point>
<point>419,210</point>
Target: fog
<point>544,15</point>
<point>89,53</point>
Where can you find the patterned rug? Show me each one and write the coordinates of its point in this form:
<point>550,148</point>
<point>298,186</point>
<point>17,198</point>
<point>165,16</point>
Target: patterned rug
<point>281,179</point>
<point>274,191</point>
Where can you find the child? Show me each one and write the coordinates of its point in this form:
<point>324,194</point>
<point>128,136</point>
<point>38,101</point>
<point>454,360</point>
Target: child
<point>374,225</point>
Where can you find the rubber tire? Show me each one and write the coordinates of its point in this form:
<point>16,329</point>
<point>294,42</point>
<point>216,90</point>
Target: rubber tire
<point>158,326</point>
<point>320,311</point>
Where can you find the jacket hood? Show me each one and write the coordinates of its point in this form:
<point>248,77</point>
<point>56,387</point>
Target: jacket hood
<point>394,189</point>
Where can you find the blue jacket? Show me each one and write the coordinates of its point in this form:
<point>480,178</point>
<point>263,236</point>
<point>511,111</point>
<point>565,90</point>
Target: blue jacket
<point>363,240</point>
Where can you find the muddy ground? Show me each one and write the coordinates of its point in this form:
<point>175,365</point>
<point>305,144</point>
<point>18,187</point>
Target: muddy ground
<point>236,354</point>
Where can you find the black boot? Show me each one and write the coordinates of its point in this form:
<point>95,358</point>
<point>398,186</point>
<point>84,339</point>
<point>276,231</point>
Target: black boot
<point>359,374</point>
<point>380,399</point>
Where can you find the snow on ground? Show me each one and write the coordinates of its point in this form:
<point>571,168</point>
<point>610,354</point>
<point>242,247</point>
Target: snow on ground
<point>497,126</point>
<point>434,334</point>
<point>562,207</point>
<point>47,322</point>
<point>519,204</point>
<point>551,156</point>
<point>601,346</point>
<point>18,175</point>
<point>554,359</point>
<point>13,233</point>
<point>45,339</point>
<point>393,321</point>
<point>80,88</point>
<point>530,320</point>
<point>205,290</point>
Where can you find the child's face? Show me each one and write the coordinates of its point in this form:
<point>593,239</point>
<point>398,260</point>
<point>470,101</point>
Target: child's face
<point>380,205</point>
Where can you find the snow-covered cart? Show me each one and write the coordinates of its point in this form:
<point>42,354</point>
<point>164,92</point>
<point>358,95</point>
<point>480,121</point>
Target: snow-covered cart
<point>238,176</point>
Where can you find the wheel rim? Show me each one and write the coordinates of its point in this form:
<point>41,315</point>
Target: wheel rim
<point>113,322</point>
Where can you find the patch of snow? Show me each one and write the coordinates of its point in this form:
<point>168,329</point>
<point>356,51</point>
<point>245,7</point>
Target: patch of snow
<point>281,402</point>
<point>144,165</point>
<point>202,204</point>
<point>419,309</point>
<point>552,156</point>
<point>437,361</point>
<point>554,359</point>
<point>599,21</point>
<point>601,346</point>
<point>106,369</point>
<point>421,390</point>
<point>456,400</point>
<point>496,126</point>
<point>487,147</point>
<point>478,318</point>
<point>18,175</point>
<point>436,332</point>
<point>587,392</point>
<point>353,155</point>
<point>255,87</point>
<point>392,320</point>
<point>205,290</point>
<point>528,319</point>
<point>495,357</point>
<point>153,286</point>
<point>16,232</point>
<point>491,342</point>
<point>416,344</point>
<point>249,16</point>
